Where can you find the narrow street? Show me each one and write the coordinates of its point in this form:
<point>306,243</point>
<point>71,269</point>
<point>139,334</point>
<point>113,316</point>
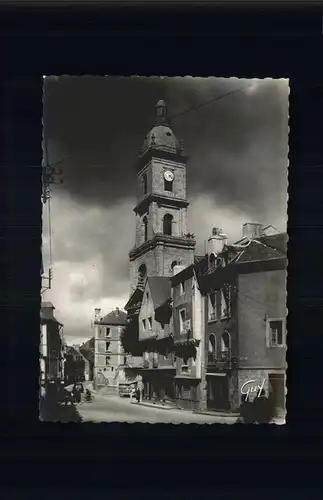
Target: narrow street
<point>116,409</point>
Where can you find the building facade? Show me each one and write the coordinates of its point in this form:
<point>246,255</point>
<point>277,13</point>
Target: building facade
<point>87,350</point>
<point>51,345</point>
<point>245,316</point>
<point>109,356</point>
<point>189,329</point>
<point>200,330</point>
<point>75,365</point>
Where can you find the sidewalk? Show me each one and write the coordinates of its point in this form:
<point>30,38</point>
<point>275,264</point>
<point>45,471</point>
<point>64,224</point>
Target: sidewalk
<point>217,413</point>
<point>160,406</point>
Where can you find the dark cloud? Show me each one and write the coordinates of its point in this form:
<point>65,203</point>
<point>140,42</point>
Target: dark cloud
<point>237,145</point>
<point>237,150</point>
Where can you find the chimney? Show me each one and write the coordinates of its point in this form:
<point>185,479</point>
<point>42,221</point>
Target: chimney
<point>216,241</point>
<point>177,269</point>
<point>97,312</point>
<point>251,230</point>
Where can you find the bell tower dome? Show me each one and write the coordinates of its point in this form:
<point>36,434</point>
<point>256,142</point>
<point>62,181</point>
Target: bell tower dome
<point>162,239</point>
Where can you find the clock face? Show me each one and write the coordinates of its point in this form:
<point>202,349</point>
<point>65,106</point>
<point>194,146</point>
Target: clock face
<point>169,176</point>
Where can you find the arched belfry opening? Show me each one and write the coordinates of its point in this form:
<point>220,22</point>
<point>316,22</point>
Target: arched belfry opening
<point>145,226</point>
<point>167,224</point>
<point>144,184</point>
<point>142,273</point>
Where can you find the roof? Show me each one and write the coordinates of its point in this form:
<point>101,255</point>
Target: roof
<point>47,305</point>
<point>263,248</point>
<point>161,136</point>
<point>46,313</point>
<point>135,298</point>
<point>160,289</point>
<point>116,317</point>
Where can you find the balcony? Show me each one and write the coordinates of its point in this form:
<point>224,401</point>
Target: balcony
<point>135,362</point>
<point>222,360</point>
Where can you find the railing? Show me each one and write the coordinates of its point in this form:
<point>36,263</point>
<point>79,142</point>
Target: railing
<point>222,360</point>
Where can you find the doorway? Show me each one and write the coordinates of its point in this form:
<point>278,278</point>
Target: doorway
<point>277,386</point>
<point>218,392</point>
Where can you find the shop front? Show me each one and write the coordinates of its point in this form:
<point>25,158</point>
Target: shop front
<point>159,384</point>
<point>218,397</point>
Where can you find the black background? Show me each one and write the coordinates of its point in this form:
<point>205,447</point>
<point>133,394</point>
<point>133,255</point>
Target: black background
<point>154,460</point>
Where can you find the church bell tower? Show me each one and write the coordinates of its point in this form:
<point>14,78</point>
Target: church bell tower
<point>162,240</point>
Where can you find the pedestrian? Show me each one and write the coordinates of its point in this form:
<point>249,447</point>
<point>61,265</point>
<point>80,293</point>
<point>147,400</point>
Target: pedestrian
<point>139,390</point>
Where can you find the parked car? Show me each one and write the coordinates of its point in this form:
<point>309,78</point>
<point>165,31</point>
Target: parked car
<point>126,389</point>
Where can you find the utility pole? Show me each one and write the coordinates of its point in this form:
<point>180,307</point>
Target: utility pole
<point>52,174</point>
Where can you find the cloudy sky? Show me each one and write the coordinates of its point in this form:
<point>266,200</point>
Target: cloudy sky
<point>237,147</point>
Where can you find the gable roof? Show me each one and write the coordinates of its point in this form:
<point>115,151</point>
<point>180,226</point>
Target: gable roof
<point>135,298</point>
<point>114,318</point>
<point>47,313</point>
<point>160,289</point>
<point>263,248</point>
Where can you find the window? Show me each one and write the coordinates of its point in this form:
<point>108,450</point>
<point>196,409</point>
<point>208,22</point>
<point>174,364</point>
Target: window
<point>107,346</point>
<point>212,348</point>
<point>144,324</point>
<point>182,318</point>
<point>144,184</point>
<point>182,288</point>
<point>276,333</point>
<point>142,271</point>
<point>145,223</point>
<point>147,296</point>
<point>212,307</point>
<point>212,261</point>
<point>112,368</point>
<point>107,332</point>
<point>218,307</point>
<point>168,185</point>
<point>107,360</point>
<point>150,323</point>
<point>225,342</point>
<point>167,224</point>
<point>124,360</point>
